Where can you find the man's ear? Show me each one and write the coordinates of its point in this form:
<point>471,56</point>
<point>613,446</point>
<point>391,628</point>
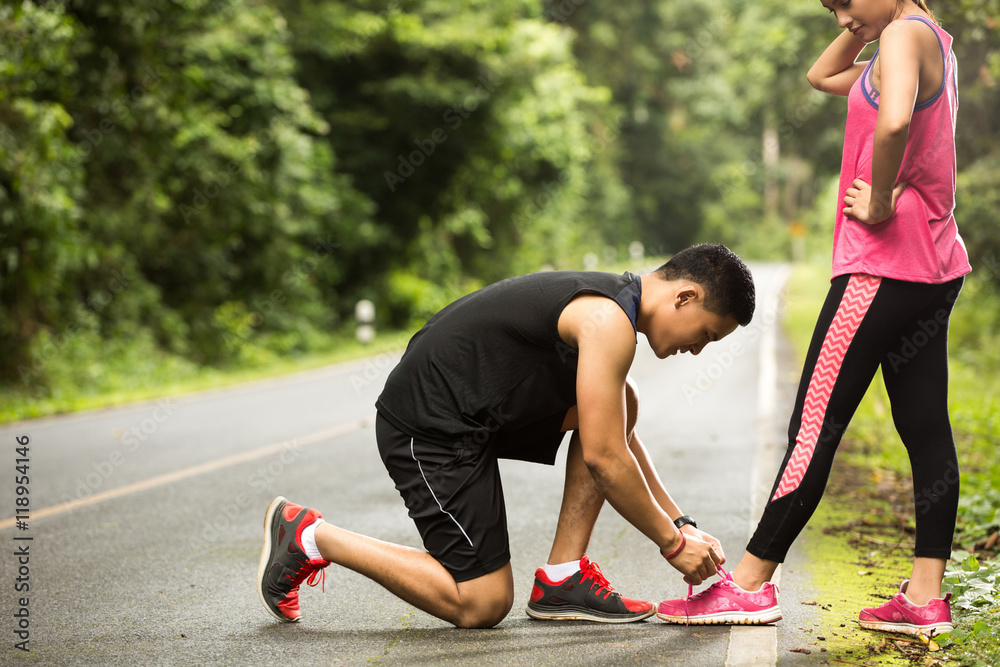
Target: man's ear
<point>685,295</point>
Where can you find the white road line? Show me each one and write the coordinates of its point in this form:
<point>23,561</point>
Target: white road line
<point>192,471</point>
<point>758,645</point>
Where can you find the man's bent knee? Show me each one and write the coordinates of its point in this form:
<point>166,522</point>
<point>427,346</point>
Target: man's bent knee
<point>485,613</point>
<point>486,600</point>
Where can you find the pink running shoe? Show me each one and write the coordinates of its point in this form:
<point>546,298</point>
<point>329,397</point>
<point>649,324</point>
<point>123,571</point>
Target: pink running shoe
<point>901,615</point>
<point>723,602</point>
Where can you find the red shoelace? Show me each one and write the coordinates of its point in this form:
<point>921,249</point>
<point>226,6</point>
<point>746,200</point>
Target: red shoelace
<point>317,576</point>
<point>593,572</point>
<point>313,579</point>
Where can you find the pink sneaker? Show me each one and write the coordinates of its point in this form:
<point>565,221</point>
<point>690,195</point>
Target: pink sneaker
<point>901,615</point>
<point>723,602</point>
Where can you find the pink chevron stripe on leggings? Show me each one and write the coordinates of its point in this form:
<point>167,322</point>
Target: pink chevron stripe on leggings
<point>858,295</point>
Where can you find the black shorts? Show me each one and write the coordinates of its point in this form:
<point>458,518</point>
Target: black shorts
<point>453,492</point>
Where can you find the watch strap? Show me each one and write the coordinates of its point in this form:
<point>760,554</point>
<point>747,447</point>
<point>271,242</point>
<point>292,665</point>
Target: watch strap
<point>683,521</point>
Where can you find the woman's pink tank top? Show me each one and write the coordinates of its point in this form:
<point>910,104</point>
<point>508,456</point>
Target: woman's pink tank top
<point>919,242</point>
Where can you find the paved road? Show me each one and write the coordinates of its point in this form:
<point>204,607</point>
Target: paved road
<point>148,554</point>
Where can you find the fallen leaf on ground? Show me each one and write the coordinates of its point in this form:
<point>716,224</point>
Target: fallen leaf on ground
<point>989,542</point>
<point>800,650</point>
<point>992,540</point>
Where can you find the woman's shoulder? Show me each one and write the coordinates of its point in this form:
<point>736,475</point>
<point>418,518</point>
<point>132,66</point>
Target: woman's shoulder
<point>913,32</point>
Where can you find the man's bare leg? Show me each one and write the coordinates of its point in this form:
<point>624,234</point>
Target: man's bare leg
<point>581,504</point>
<point>418,578</point>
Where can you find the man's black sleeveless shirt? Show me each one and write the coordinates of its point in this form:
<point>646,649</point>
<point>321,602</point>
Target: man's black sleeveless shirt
<point>493,360</point>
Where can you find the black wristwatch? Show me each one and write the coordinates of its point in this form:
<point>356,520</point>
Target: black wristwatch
<point>683,521</point>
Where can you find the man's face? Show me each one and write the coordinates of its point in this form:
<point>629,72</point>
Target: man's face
<point>687,327</point>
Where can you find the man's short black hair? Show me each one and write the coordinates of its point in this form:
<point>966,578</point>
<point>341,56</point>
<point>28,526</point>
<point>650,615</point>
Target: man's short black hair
<point>725,278</point>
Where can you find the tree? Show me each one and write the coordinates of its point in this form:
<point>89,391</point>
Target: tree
<point>469,127</point>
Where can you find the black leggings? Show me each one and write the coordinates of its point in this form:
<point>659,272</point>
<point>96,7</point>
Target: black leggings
<point>867,322</point>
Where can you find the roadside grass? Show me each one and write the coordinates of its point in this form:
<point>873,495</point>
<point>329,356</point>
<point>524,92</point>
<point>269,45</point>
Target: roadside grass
<point>861,537</point>
<point>119,373</point>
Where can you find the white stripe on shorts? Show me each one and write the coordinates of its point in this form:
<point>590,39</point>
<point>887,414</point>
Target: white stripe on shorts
<point>434,495</point>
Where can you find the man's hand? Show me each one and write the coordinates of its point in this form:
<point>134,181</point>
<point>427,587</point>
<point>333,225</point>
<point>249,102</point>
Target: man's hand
<point>697,561</point>
<point>690,530</point>
<point>859,204</point>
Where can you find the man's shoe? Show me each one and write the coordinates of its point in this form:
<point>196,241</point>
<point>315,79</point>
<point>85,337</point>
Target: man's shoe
<point>283,561</point>
<point>901,615</point>
<point>723,602</point>
<point>584,596</point>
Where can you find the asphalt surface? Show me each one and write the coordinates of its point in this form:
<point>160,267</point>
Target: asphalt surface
<point>163,571</point>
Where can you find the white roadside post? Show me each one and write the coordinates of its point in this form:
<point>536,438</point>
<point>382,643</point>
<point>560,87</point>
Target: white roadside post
<point>610,254</point>
<point>364,312</point>
<point>636,252</point>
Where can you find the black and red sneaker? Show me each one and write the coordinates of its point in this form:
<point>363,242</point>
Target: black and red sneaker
<point>584,596</point>
<point>283,561</point>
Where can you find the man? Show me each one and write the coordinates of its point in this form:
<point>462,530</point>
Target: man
<point>504,372</point>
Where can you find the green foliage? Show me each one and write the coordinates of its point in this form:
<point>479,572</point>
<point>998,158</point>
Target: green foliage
<point>975,321</point>
<point>412,296</point>
<point>978,515</point>
<point>772,150</point>
<point>972,643</point>
<point>174,156</point>
<point>41,247</point>
<point>663,160</point>
<point>975,588</point>
<point>973,585</point>
<point>975,25</point>
<point>471,130</point>
<point>979,201</point>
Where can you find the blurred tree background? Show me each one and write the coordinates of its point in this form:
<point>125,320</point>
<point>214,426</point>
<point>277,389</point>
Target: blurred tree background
<point>216,182</point>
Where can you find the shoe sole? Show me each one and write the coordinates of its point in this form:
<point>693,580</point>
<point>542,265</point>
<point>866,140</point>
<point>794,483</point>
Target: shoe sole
<point>908,628</point>
<point>265,556</point>
<point>762,617</point>
<point>572,613</point>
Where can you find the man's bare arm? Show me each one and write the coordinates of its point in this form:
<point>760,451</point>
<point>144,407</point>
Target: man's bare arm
<point>606,343</point>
